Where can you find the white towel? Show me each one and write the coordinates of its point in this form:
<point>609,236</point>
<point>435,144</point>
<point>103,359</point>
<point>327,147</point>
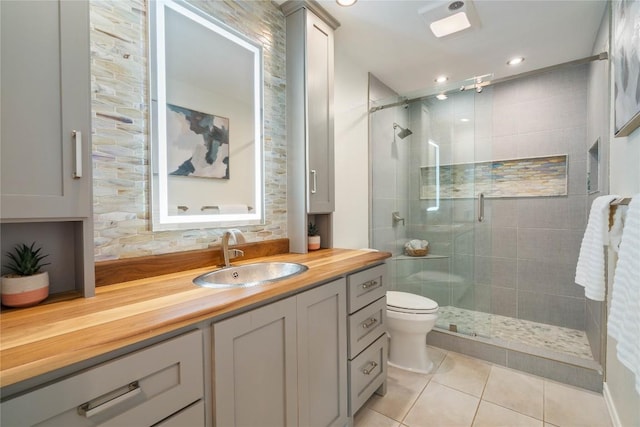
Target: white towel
<point>624,316</point>
<point>233,209</point>
<point>590,268</point>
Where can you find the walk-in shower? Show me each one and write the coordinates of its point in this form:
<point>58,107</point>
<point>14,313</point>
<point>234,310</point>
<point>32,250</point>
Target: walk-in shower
<point>495,180</point>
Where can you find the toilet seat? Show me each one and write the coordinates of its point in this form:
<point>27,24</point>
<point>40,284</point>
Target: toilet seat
<point>404,302</point>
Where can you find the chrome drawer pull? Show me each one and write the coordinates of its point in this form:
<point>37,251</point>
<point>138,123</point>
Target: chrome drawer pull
<point>369,284</point>
<point>314,174</point>
<point>369,368</point>
<point>109,400</point>
<point>369,323</point>
<point>77,152</point>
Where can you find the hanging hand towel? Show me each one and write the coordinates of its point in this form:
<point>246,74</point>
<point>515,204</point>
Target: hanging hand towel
<point>624,317</point>
<point>590,268</point>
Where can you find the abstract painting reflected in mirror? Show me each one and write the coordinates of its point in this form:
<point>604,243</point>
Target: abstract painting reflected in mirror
<point>197,143</point>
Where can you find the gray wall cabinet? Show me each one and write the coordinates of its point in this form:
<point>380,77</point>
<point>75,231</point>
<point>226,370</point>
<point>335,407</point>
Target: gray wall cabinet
<point>310,130</point>
<point>284,364</point>
<point>46,134</point>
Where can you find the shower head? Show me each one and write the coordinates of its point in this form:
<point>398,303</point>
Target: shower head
<point>403,132</point>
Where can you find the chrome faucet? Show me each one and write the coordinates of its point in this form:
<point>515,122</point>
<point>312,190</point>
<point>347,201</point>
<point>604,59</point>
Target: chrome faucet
<point>227,253</point>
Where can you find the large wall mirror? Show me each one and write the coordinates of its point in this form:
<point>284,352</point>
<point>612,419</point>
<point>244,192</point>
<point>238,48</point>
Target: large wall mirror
<point>206,121</point>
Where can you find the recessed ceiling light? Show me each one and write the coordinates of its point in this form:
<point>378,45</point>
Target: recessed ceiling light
<point>464,120</point>
<point>451,24</point>
<point>441,97</point>
<point>346,2</point>
<point>515,61</point>
<point>441,79</point>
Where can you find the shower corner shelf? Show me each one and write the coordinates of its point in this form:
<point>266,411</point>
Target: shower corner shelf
<point>428,256</point>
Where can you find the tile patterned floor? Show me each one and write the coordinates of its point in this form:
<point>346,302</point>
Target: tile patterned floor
<point>555,338</point>
<point>467,392</point>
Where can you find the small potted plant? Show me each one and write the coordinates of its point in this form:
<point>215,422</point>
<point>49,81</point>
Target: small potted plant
<point>313,237</point>
<point>26,285</point>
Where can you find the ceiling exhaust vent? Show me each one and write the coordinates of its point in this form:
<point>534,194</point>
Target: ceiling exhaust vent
<point>445,18</point>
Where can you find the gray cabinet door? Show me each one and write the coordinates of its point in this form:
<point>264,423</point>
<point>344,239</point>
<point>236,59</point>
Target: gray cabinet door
<point>256,367</point>
<point>45,98</point>
<point>319,62</point>
<point>322,356</point>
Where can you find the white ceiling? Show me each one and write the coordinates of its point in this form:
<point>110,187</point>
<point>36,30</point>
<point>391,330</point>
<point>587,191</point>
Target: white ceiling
<point>391,40</point>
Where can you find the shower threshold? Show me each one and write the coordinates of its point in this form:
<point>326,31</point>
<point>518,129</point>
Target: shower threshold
<point>550,351</point>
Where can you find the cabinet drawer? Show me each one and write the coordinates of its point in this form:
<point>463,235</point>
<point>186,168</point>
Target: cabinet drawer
<point>366,286</point>
<point>366,325</point>
<point>138,389</point>
<point>193,416</point>
<point>367,372</point>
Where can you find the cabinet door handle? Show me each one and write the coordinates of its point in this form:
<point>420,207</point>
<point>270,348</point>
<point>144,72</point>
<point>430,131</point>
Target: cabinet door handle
<point>369,368</point>
<point>77,153</point>
<point>369,284</point>
<point>369,323</point>
<point>109,400</point>
<point>314,180</point>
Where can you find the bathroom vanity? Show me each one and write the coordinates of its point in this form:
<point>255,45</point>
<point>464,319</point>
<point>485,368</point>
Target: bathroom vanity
<point>162,351</point>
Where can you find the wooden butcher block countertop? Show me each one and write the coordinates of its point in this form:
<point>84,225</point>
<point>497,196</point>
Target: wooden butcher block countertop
<point>41,339</point>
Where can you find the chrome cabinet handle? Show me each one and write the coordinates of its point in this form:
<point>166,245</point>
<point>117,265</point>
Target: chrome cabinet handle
<point>109,400</point>
<point>314,176</point>
<point>369,323</point>
<point>77,148</point>
<point>369,284</point>
<point>369,368</point>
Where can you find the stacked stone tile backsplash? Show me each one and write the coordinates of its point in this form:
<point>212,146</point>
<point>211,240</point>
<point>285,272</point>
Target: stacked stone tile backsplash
<point>120,107</point>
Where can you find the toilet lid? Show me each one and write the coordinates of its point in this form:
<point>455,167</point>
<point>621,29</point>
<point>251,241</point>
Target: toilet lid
<point>410,303</point>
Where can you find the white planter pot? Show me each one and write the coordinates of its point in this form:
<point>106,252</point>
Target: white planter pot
<point>313,243</point>
<point>24,291</point>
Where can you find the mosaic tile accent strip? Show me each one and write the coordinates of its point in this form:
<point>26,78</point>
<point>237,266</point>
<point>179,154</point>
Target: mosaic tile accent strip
<point>567,341</point>
<point>119,78</point>
<point>527,177</point>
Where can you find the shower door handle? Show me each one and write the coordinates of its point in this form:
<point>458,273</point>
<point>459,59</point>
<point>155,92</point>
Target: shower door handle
<point>480,207</point>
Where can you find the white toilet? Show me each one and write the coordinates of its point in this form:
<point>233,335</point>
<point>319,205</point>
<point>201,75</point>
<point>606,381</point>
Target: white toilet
<point>409,318</point>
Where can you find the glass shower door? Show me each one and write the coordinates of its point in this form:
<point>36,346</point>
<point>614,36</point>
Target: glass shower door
<point>435,200</point>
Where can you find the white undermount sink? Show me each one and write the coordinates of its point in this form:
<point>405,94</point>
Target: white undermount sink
<point>243,276</point>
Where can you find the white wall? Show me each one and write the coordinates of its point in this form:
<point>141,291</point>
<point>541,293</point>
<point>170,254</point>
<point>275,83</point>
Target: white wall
<point>351,217</point>
<point>624,179</point>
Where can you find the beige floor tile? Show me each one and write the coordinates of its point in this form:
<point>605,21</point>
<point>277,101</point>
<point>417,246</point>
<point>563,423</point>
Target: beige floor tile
<point>365,417</point>
<point>463,373</point>
<point>492,415</point>
<point>570,406</point>
<point>515,390</point>
<point>439,405</point>
<point>403,388</point>
<point>436,355</point>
